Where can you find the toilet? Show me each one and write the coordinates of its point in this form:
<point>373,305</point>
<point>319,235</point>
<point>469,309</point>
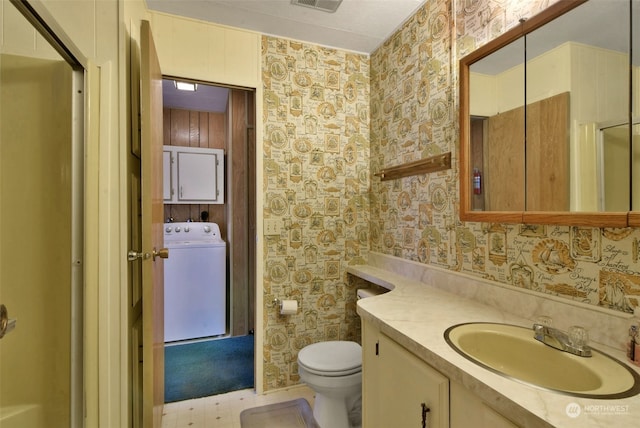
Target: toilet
<point>333,370</point>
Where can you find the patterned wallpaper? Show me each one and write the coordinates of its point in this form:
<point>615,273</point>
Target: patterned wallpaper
<point>316,179</point>
<point>324,208</point>
<point>414,114</point>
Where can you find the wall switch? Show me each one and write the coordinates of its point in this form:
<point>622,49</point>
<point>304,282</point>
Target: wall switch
<point>272,226</point>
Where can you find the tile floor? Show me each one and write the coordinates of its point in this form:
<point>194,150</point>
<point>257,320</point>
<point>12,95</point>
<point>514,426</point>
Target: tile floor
<point>223,411</point>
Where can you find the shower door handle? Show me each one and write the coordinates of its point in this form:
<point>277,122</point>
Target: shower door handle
<point>6,324</point>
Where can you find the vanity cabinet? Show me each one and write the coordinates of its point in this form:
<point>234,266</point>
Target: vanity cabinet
<point>193,175</point>
<point>396,384</point>
<point>399,389</point>
<point>468,410</point>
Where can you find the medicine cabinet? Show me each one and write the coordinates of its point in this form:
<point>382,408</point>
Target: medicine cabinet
<point>193,175</point>
<point>550,119</point>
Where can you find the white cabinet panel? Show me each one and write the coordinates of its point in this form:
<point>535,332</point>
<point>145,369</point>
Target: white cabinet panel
<point>166,175</point>
<point>468,410</point>
<point>370,370</point>
<point>422,392</point>
<point>399,389</point>
<point>194,176</point>
<point>197,176</point>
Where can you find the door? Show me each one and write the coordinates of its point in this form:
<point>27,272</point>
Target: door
<point>147,290</point>
<point>504,178</point>
<point>547,157</point>
<point>40,260</point>
<point>424,397</point>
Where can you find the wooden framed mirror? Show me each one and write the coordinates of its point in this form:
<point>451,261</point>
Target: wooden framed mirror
<point>546,115</point>
<point>634,215</point>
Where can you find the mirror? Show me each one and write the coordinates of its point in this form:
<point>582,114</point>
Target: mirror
<point>497,138</point>
<point>634,216</point>
<point>545,119</point>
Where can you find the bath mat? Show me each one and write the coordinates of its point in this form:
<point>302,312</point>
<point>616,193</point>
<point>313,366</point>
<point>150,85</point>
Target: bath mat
<point>212,367</point>
<point>290,414</point>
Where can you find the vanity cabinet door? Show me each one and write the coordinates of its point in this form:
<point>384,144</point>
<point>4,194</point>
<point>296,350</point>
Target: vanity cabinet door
<point>370,370</point>
<point>399,389</point>
<point>467,410</point>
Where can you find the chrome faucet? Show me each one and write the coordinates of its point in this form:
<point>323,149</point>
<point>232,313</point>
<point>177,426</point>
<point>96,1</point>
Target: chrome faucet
<point>573,342</point>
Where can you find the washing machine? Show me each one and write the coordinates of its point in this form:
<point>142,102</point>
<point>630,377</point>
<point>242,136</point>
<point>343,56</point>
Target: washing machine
<point>195,281</point>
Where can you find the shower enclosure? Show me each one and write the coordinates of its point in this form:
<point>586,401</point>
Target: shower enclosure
<point>41,229</point>
<point>618,165</point>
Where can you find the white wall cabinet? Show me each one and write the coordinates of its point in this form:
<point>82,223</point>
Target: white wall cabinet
<point>193,175</point>
<point>396,384</point>
<point>399,389</point>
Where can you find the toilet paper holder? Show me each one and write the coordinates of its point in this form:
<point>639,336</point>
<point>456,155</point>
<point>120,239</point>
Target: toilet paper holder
<point>284,307</point>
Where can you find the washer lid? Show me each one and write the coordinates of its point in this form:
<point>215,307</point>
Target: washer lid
<point>332,357</point>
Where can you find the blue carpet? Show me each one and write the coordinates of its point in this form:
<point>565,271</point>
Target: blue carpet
<point>201,369</point>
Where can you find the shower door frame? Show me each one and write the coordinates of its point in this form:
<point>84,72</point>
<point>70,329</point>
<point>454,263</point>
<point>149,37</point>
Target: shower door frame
<point>46,26</point>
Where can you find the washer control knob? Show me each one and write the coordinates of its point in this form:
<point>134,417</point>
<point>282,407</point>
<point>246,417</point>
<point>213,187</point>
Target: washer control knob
<point>207,229</point>
<point>186,228</point>
<point>177,228</point>
<point>168,229</point>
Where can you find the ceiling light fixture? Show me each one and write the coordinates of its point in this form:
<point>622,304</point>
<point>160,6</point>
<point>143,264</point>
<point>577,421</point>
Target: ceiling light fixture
<point>323,5</point>
<point>185,86</point>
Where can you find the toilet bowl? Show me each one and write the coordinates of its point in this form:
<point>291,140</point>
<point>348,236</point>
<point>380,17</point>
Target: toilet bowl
<point>333,370</point>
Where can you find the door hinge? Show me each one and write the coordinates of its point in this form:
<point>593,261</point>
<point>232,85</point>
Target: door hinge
<point>377,348</point>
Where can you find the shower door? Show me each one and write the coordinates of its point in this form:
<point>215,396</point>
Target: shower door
<point>40,259</point>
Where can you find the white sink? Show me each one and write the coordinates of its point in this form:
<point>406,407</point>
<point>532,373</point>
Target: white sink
<point>513,352</point>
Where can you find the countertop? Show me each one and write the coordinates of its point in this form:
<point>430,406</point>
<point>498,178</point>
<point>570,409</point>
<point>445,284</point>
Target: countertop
<point>416,314</point>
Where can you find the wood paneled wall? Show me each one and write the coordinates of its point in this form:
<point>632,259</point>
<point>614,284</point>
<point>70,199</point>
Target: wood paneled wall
<point>239,248</point>
<point>188,128</point>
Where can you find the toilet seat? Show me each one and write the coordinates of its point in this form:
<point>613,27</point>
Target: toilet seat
<point>332,358</point>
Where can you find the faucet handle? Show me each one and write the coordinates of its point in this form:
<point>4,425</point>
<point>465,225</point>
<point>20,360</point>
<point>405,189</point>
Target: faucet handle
<point>538,331</point>
<point>578,336</point>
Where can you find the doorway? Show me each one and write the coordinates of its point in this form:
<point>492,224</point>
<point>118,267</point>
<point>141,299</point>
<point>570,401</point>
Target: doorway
<point>617,165</point>
<point>41,226</point>
<point>220,117</point>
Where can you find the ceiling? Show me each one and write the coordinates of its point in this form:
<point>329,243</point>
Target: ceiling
<point>206,98</point>
<point>363,25</point>
<point>611,22</point>
<point>357,25</point>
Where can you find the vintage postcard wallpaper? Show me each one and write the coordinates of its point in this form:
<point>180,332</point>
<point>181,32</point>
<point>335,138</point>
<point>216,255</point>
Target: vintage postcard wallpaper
<point>332,119</point>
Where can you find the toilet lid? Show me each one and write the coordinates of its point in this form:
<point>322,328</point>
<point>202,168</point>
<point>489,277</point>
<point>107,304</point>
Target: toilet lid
<point>333,358</point>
